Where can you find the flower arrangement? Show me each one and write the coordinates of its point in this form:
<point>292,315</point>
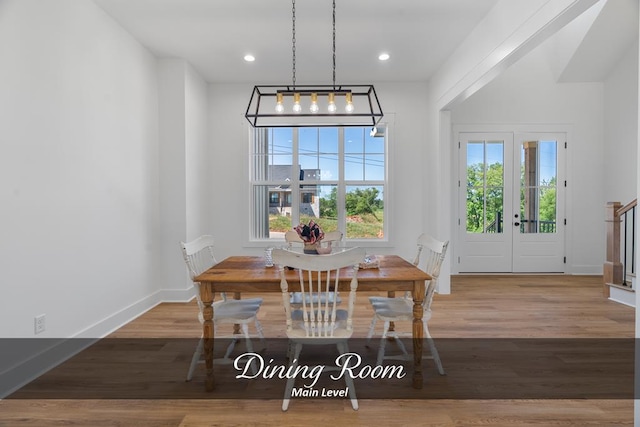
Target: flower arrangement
<point>311,235</point>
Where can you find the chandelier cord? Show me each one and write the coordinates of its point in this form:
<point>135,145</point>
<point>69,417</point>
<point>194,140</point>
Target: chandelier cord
<point>293,41</point>
<point>334,44</point>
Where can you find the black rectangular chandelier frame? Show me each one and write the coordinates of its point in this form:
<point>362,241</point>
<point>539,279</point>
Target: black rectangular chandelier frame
<point>261,112</point>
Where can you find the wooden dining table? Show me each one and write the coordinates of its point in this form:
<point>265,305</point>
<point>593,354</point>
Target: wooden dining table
<point>239,274</point>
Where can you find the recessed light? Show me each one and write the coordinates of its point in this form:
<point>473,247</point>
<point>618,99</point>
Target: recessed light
<point>383,56</point>
<point>249,58</point>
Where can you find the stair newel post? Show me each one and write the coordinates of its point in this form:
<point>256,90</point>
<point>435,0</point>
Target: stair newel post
<point>612,271</point>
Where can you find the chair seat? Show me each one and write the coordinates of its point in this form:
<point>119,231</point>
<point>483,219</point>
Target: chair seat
<point>395,309</point>
<point>296,298</point>
<point>250,303</point>
<point>341,316</point>
<point>234,311</point>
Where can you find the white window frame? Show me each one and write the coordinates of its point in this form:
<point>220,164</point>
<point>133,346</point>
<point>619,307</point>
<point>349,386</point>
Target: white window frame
<point>341,184</point>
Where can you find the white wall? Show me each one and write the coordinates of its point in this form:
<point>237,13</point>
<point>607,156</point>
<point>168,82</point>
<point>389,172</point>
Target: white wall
<point>78,170</point>
<point>405,107</point>
<point>621,129</point>
<point>185,179</point>
<point>527,94</point>
<point>173,175</point>
<point>199,179</point>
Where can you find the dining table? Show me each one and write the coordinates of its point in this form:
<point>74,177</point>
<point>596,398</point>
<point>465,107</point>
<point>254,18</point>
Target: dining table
<point>238,274</point>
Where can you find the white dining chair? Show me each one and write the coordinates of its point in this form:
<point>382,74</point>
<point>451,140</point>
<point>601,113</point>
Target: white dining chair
<point>331,240</point>
<point>199,257</point>
<point>401,309</point>
<point>318,323</point>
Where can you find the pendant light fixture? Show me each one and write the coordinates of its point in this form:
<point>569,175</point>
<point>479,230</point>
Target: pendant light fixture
<point>313,106</point>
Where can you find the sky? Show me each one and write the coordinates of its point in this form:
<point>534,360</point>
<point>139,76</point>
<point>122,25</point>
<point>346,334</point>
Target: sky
<point>318,148</point>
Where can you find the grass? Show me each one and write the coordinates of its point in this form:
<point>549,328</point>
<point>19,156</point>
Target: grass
<point>364,226</point>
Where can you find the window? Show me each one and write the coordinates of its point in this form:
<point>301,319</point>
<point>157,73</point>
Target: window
<point>307,198</point>
<point>335,176</point>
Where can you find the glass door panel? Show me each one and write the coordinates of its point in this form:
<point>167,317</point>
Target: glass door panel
<point>538,186</point>
<point>485,187</point>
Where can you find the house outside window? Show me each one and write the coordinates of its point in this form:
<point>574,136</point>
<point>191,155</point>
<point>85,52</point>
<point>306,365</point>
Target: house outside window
<point>334,176</point>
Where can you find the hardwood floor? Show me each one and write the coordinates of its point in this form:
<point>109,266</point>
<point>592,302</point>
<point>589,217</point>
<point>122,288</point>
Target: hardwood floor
<point>488,307</point>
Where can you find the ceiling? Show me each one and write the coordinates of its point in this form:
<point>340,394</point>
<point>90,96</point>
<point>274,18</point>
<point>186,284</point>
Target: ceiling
<point>214,36</point>
<point>601,38</point>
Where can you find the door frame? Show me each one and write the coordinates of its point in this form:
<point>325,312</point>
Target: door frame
<point>514,129</point>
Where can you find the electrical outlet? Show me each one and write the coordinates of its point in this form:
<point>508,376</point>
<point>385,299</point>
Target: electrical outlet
<point>39,324</point>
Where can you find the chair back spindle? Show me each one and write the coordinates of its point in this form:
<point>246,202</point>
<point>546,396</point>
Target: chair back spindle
<point>318,276</point>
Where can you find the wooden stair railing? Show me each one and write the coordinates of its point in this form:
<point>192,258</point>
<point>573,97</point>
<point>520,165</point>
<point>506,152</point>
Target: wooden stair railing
<point>613,267</point>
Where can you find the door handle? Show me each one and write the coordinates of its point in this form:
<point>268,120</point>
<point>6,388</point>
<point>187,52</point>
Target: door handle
<point>516,224</point>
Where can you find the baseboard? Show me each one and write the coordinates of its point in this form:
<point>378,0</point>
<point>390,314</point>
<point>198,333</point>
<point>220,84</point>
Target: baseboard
<point>43,355</point>
<point>586,270</point>
<point>177,295</point>
<point>52,352</point>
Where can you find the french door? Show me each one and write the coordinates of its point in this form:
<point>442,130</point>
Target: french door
<point>511,202</point>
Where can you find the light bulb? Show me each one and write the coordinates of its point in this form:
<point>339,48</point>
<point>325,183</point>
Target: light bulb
<point>314,103</point>
<point>296,103</point>
<point>279,106</point>
<point>349,107</point>
<point>332,103</point>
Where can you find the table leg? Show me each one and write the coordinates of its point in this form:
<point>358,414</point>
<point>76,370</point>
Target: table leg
<point>206,295</point>
<point>236,326</point>
<point>418,332</point>
<point>392,325</point>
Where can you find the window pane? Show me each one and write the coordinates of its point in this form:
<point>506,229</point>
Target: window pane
<point>475,209</point>
<point>319,203</point>
<point>374,167</point>
<point>494,210</point>
<point>353,167</point>
<point>328,140</point>
<point>538,187</point>
<point>373,144</point>
<point>548,162</point>
<point>365,212</point>
<point>475,164</point>
<point>353,140</point>
<point>318,152</point>
<point>279,172</point>
<point>329,167</point>
<point>548,216</point>
<point>307,140</point>
<point>272,147</point>
<point>485,187</point>
<point>272,211</point>
<point>281,144</point>
<point>495,163</point>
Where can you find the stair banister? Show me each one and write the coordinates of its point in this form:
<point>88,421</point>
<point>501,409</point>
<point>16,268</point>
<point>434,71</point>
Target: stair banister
<point>612,270</point>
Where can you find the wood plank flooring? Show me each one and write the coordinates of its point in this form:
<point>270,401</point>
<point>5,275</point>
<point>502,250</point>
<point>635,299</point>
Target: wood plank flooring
<point>503,306</point>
